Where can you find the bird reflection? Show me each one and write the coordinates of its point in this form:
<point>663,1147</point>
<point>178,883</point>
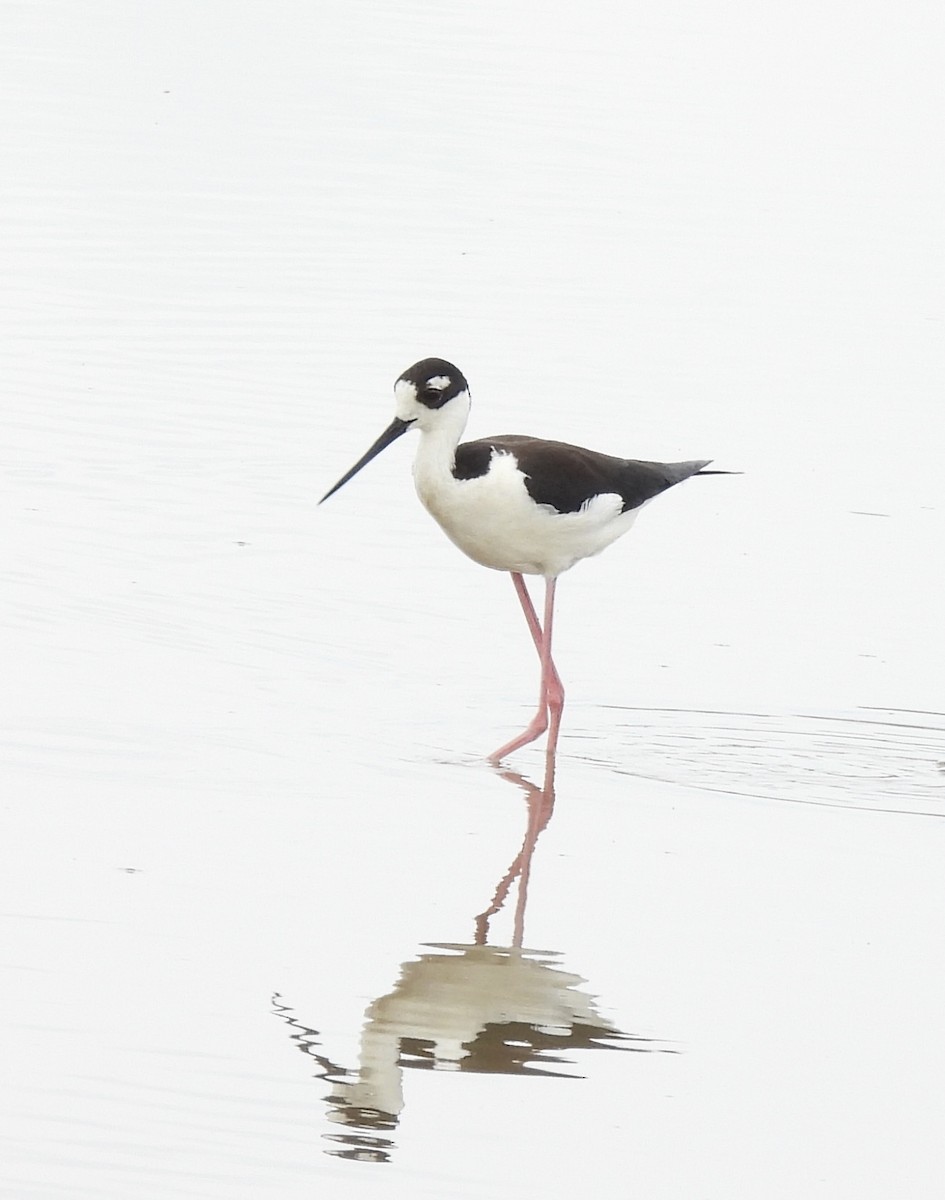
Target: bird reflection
<point>474,1007</point>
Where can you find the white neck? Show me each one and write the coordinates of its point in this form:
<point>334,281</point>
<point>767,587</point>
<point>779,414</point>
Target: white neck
<point>439,437</point>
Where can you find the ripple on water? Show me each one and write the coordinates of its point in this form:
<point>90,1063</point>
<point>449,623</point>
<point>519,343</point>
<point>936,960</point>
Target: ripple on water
<point>890,760</point>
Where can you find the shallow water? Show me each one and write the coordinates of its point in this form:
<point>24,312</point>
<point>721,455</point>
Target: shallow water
<point>269,923</point>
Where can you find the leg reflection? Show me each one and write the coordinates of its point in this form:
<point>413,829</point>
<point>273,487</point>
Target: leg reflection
<point>541,802</point>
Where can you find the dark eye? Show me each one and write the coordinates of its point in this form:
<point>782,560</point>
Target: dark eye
<point>435,388</point>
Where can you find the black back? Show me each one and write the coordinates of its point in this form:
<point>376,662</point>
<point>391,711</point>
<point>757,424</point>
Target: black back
<point>566,477</point>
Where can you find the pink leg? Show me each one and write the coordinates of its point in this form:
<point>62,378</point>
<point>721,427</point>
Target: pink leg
<point>528,609</point>
<point>551,680</point>
<point>531,617</point>
<point>551,696</point>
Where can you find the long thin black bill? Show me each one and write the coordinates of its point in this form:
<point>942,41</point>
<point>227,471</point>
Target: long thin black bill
<point>390,434</point>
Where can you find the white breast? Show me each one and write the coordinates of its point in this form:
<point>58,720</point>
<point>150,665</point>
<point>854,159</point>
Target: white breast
<point>496,523</point>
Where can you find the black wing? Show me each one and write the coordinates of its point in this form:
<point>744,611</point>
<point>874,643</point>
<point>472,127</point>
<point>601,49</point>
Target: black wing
<point>566,477</point>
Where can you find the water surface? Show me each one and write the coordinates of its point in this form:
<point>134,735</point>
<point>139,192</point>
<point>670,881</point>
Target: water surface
<point>269,923</point>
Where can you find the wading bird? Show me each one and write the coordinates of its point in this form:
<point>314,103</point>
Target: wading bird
<point>518,504</point>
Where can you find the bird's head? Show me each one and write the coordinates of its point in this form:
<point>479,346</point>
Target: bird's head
<point>426,389</point>
<point>429,395</point>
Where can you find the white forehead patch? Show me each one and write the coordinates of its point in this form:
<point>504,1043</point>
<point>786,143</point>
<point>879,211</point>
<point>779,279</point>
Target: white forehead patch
<point>439,382</point>
<point>405,399</point>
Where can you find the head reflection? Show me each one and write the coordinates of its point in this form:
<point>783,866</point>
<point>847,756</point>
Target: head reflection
<point>465,1006</point>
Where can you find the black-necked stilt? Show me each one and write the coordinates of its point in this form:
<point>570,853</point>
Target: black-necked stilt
<point>518,504</point>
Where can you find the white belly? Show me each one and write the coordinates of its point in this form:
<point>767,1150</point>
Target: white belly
<point>493,519</point>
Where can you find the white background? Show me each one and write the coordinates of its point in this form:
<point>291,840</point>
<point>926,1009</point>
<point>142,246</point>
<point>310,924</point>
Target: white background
<point>243,736</point>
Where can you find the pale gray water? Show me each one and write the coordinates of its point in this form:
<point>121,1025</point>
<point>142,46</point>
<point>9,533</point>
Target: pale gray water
<point>243,802</point>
